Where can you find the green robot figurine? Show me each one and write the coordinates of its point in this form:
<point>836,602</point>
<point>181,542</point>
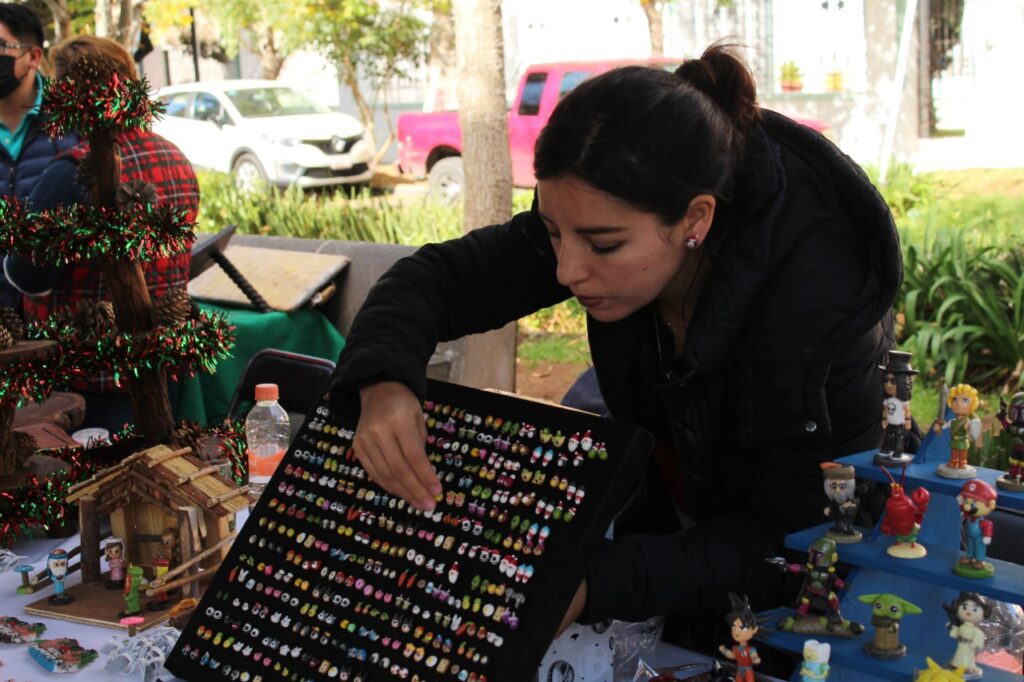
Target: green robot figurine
<point>1011,417</point>
<point>817,610</point>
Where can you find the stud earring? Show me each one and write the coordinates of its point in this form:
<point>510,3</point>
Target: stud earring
<point>692,242</point>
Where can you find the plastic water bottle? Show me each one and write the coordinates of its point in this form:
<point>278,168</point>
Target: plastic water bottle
<point>266,433</point>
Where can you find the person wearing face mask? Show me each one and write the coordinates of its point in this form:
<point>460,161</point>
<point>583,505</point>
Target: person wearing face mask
<point>25,149</point>
<point>738,272</point>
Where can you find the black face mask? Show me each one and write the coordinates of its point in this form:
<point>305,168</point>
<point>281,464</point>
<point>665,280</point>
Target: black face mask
<point>8,81</point>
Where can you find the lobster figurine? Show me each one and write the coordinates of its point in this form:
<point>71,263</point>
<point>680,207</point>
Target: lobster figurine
<point>903,517</point>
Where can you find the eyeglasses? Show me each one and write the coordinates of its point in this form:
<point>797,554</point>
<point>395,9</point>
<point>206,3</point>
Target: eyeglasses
<point>9,48</point>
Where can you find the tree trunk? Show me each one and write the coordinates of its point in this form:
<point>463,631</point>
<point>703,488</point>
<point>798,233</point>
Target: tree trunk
<point>61,19</point>
<point>271,60</point>
<point>489,359</point>
<point>655,24</point>
<point>349,75</point>
<point>129,295</point>
<point>126,26</point>
<point>441,62</point>
<point>104,18</point>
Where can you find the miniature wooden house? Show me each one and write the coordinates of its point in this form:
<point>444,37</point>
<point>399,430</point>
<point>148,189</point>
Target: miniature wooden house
<point>153,490</point>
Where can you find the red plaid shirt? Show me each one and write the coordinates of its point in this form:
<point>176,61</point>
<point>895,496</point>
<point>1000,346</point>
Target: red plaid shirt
<point>148,157</point>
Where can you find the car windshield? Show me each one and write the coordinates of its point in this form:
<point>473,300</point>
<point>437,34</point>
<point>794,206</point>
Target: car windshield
<point>263,102</point>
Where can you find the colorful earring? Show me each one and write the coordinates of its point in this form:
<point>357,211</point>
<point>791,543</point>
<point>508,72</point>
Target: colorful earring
<point>692,242</point>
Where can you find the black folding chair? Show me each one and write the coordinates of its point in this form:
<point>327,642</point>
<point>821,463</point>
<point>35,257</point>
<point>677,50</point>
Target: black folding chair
<point>301,381</point>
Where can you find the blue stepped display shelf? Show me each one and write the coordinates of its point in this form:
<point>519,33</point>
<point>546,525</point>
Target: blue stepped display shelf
<point>928,582</point>
<point>936,568</point>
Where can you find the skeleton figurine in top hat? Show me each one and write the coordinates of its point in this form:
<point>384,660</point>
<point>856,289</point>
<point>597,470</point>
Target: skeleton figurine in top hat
<point>897,384</point>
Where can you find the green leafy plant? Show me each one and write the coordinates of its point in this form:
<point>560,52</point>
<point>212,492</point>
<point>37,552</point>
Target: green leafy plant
<point>961,307</point>
<point>790,76</point>
<point>294,213</point>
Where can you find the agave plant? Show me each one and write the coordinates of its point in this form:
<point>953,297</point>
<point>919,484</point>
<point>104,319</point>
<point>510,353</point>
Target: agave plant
<point>963,307</point>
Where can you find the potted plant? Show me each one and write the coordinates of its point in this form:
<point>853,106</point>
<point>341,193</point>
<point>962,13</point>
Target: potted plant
<point>791,78</point>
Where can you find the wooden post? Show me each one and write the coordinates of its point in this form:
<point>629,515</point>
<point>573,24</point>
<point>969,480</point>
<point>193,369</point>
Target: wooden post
<point>8,458</point>
<point>89,522</point>
<point>129,295</point>
<point>186,551</point>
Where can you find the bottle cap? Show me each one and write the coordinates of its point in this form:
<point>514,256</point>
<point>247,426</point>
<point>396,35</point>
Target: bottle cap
<point>266,392</point>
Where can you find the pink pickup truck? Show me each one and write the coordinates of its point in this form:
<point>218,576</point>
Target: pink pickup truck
<point>430,145</point>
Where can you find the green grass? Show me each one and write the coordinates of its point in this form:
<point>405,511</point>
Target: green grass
<point>540,348</point>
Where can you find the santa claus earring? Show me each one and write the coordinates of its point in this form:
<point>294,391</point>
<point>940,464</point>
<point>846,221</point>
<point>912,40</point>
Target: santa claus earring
<point>692,242</point>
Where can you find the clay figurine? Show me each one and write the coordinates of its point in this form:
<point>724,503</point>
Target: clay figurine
<point>57,569</point>
<point>1012,419</point>
<point>887,610</point>
<point>840,487</point>
<point>743,626</point>
<point>169,541</point>
<point>965,612</point>
<point>896,417</point>
<point>114,551</point>
<point>815,665</point>
<point>132,587</point>
<point>903,517</point>
<point>963,428</point>
<point>160,600</point>
<point>817,611</point>
<point>977,500</point>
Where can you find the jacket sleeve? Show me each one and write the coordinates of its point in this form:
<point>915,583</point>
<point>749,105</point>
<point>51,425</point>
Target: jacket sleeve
<point>640,576</point>
<point>469,285</point>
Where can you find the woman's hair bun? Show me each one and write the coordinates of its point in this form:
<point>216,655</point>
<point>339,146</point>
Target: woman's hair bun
<point>724,78</point>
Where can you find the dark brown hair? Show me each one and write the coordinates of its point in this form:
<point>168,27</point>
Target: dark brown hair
<point>652,138</point>
<point>66,51</point>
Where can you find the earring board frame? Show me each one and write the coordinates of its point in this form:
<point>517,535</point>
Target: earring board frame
<point>374,576</point>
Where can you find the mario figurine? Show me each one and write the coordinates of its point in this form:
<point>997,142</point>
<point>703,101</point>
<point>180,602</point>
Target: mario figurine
<point>743,626</point>
<point>1012,419</point>
<point>977,499</point>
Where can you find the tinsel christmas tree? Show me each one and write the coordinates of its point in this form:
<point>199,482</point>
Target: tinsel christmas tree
<point>140,341</point>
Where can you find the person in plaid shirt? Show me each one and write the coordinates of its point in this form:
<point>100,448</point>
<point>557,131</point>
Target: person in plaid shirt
<point>146,157</point>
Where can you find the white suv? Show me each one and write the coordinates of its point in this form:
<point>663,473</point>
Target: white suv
<point>264,131</point>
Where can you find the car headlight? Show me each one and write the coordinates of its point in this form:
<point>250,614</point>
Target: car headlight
<point>285,141</point>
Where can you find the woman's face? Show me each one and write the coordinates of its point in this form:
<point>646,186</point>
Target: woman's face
<point>614,258</point>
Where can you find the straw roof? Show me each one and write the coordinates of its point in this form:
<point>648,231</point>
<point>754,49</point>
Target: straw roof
<point>175,476</point>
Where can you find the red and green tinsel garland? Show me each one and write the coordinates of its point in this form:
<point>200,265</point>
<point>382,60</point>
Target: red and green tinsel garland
<point>79,232</point>
<point>40,503</point>
<point>32,378</point>
<point>181,350</point>
<point>93,97</point>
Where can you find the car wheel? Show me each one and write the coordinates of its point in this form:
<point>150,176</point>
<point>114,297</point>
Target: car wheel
<point>249,173</point>
<point>447,178</point>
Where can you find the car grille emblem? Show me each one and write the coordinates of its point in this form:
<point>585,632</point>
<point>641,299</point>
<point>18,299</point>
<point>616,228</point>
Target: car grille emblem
<point>337,145</point>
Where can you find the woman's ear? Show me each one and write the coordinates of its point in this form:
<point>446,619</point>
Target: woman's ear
<point>699,216</point>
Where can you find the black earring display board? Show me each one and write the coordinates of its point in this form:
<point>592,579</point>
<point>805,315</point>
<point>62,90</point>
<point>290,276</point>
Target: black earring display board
<point>331,578</point>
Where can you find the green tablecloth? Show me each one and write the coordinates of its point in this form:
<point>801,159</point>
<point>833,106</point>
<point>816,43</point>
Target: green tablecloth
<point>205,398</point>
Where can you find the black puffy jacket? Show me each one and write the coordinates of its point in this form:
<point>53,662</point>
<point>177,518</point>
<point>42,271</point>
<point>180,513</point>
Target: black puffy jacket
<point>19,176</point>
<point>779,371</point>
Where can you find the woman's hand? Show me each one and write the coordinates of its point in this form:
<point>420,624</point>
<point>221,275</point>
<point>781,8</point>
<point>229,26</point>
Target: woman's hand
<point>389,443</point>
<point>575,608</point>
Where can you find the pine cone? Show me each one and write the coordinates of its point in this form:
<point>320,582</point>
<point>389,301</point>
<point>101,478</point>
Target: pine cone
<point>173,307</point>
<point>12,320</point>
<point>24,446</point>
<point>135,192</point>
<point>94,319</point>
<point>6,338</point>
